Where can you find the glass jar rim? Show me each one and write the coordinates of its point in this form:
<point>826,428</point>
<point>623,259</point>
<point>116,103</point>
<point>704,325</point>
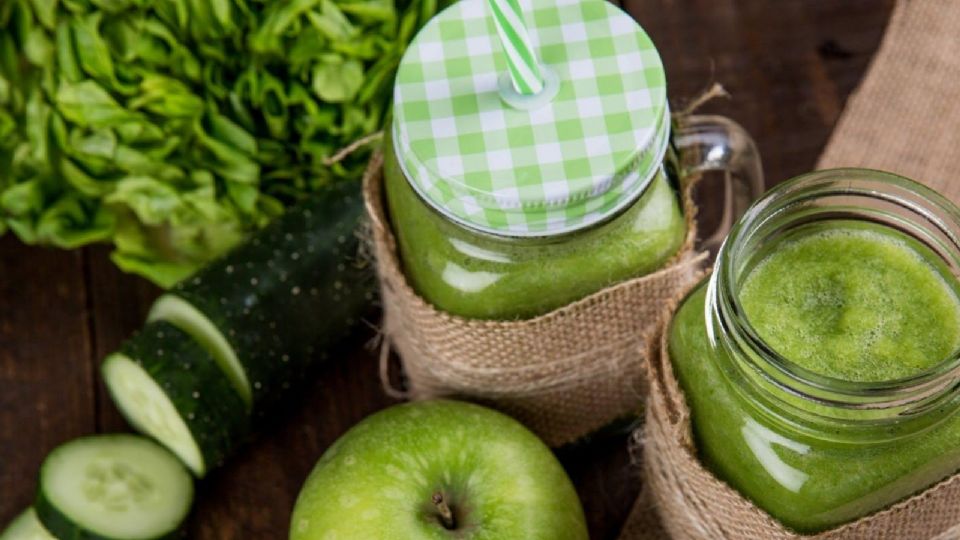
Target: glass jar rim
<point>904,396</point>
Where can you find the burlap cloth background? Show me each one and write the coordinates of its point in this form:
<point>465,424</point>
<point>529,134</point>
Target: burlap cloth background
<point>904,118</point>
<point>564,374</point>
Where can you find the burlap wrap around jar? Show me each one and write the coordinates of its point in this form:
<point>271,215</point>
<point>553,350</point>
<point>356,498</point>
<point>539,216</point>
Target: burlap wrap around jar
<point>564,374</point>
<point>692,503</point>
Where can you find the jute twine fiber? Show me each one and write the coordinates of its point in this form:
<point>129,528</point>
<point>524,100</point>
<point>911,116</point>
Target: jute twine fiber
<point>904,118</point>
<point>564,374</point>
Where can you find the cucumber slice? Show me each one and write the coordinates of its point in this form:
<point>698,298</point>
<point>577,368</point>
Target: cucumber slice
<point>113,487</point>
<point>168,387</point>
<point>26,526</point>
<point>183,315</point>
<point>279,302</point>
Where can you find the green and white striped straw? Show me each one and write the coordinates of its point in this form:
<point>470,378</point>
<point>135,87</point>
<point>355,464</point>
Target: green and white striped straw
<point>524,67</point>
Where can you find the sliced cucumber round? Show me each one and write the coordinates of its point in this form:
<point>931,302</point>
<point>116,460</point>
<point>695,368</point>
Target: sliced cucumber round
<point>170,388</point>
<point>182,314</point>
<point>26,526</point>
<point>113,487</point>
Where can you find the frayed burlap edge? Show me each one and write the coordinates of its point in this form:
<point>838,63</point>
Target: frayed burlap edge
<point>564,374</point>
<point>691,503</point>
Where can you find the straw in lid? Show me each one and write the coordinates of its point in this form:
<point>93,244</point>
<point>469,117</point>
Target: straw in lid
<point>571,160</point>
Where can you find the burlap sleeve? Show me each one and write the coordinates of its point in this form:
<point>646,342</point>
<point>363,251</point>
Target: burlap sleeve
<point>564,374</point>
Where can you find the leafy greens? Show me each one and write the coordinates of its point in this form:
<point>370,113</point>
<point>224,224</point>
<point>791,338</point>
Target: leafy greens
<point>172,128</point>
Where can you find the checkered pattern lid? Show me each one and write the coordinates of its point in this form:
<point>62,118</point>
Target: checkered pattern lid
<point>549,169</point>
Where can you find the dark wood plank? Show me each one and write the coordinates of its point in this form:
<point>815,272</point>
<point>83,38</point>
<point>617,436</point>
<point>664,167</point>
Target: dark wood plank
<point>606,481</point>
<point>789,65</point>
<point>46,390</point>
<point>119,303</point>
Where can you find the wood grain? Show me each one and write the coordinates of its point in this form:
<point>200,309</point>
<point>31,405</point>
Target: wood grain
<point>790,66</point>
<point>119,303</point>
<point>46,384</point>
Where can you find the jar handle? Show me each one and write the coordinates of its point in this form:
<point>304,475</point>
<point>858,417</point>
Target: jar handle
<point>715,143</point>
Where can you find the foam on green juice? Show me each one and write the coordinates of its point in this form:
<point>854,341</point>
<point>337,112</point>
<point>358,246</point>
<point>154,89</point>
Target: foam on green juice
<point>855,301</point>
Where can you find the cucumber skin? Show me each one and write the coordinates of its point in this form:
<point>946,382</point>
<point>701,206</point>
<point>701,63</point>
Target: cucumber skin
<point>61,527</point>
<point>219,423</point>
<point>290,293</point>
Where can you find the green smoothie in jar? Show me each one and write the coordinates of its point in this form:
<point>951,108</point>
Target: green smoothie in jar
<point>820,363</point>
<point>487,276</point>
<point>508,206</point>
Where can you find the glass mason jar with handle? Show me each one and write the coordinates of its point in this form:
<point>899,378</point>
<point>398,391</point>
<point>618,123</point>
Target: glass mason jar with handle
<point>508,206</point>
<point>821,360</point>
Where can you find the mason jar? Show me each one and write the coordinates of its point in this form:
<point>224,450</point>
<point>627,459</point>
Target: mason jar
<point>821,360</point>
<point>507,208</point>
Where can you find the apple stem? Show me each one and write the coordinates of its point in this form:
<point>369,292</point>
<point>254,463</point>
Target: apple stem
<point>446,515</point>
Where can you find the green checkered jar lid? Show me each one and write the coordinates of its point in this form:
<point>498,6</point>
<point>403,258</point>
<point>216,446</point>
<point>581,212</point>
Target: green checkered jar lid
<point>531,167</point>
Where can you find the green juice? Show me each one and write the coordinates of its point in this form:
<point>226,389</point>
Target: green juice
<point>482,276</point>
<point>847,300</point>
<point>854,302</point>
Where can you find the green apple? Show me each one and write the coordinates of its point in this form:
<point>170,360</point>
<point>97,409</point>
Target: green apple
<point>438,470</point>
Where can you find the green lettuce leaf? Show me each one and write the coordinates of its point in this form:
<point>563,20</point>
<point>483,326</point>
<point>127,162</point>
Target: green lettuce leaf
<point>172,129</point>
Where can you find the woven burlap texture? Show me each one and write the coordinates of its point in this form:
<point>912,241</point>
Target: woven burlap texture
<point>564,374</point>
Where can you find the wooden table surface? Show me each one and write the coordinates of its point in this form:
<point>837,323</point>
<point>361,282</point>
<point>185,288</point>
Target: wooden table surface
<point>790,66</point>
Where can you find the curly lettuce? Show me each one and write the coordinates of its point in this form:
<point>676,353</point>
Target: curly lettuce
<point>173,128</point>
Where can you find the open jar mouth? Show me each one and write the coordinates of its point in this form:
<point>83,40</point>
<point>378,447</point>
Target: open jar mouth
<point>811,402</point>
